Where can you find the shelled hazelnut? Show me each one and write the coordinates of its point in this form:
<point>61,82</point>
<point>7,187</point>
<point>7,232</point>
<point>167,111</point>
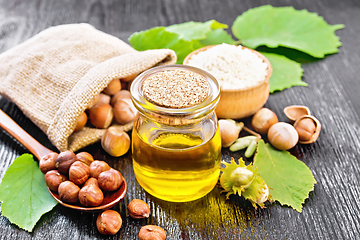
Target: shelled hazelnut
<point>64,161</point>
<point>109,222</point>
<point>82,184</point>
<point>53,179</point>
<point>150,232</point>
<point>90,194</point>
<point>79,172</point>
<point>138,209</point>
<point>85,157</point>
<point>68,192</point>
<point>308,128</point>
<point>110,180</point>
<point>98,167</point>
<point>47,162</point>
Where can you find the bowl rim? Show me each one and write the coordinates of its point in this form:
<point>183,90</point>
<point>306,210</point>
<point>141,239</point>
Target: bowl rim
<point>265,81</point>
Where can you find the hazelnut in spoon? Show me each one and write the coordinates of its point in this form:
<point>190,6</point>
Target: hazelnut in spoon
<point>39,151</point>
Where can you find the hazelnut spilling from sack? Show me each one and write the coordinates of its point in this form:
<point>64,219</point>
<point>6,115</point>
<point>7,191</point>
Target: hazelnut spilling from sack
<point>54,76</point>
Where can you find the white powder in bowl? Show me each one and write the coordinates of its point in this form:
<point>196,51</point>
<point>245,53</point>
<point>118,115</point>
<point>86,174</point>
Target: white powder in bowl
<point>233,66</point>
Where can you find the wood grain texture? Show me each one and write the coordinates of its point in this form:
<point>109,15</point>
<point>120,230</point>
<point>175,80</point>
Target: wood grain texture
<point>332,209</point>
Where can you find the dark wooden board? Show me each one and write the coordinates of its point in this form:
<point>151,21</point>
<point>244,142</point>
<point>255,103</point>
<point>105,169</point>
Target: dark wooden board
<point>332,209</point>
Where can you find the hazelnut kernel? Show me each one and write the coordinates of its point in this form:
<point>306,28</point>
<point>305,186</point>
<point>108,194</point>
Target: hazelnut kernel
<point>138,209</point>
<point>68,192</point>
<point>152,232</point>
<point>64,161</point>
<point>305,128</point>
<point>47,162</point>
<point>79,172</point>
<point>85,157</point>
<point>109,222</point>
<point>110,180</point>
<point>53,179</point>
<point>97,167</point>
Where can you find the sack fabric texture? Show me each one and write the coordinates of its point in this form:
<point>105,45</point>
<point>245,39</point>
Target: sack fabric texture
<point>55,75</point>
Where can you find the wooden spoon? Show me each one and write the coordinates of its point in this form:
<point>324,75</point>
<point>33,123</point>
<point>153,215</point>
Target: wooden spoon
<point>38,150</point>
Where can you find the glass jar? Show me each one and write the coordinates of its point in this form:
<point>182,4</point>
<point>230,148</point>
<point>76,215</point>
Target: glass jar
<point>176,152</point>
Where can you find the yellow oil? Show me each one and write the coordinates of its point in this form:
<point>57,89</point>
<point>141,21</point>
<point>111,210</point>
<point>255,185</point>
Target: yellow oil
<point>176,167</point>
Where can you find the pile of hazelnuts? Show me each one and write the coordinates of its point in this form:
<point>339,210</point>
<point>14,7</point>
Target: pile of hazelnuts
<point>80,178</point>
<point>113,104</point>
<point>305,129</point>
<point>283,136</point>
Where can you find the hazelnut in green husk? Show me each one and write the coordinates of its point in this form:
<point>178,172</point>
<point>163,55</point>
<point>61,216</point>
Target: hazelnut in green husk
<point>244,181</point>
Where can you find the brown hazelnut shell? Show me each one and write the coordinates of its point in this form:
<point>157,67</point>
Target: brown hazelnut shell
<point>101,115</point>
<point>294,112</point>
<point>124,111</point>
<point>317,128</point>
<point>81,122</point>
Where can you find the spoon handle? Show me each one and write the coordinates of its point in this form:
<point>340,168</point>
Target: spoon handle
<point>10,126</point>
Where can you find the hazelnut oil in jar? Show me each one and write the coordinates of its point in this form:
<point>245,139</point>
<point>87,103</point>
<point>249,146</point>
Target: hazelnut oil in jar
<point>176,143</point>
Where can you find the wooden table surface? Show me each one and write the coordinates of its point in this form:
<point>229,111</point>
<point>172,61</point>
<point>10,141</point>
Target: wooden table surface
<point>332,210</point>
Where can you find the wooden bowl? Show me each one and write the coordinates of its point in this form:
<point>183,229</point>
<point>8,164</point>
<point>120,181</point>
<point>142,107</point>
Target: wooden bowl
<point>244,102</point>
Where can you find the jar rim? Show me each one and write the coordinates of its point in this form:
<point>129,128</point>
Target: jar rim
<point>195,111</point>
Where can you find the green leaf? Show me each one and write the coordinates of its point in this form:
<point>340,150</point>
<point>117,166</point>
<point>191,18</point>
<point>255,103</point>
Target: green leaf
<point>217,36</point>
<point>195,30</point>
<point>182,38</point>
<point>285,26</point>
<point>158,37</point>
<point>23,193</point>
<point>286,73</point>
<point>288,178</point>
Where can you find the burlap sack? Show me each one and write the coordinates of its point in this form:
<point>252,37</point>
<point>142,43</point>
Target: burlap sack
<point>54,76</point>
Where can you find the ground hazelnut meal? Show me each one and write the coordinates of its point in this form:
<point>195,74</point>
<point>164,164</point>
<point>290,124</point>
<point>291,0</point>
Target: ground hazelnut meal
<point>233,66</point>
<point>175,88</point>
